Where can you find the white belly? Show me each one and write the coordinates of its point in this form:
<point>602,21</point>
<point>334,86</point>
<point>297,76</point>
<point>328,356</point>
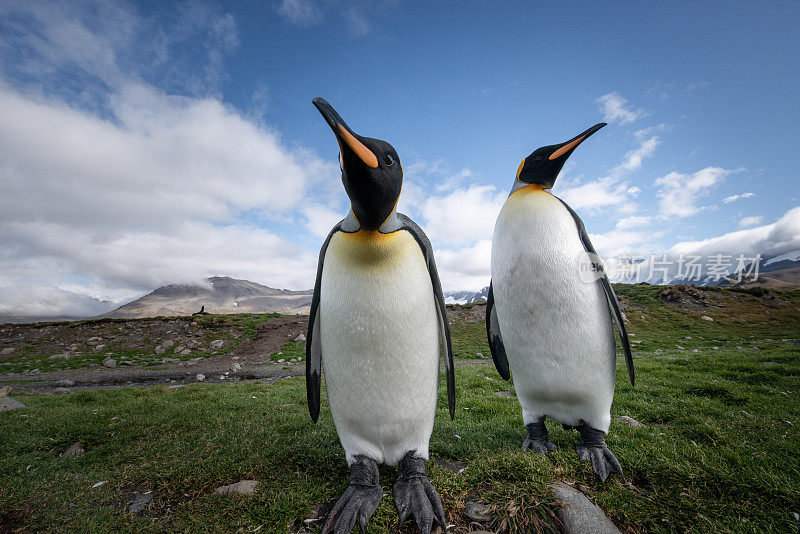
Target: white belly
<point>556,329</point>
<point>380,344</point>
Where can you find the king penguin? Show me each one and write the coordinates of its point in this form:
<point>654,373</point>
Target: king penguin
<point>549,324</point>
<point>376,325</point>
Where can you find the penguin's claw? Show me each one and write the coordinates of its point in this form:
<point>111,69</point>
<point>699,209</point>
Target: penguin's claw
<point>415,496</point>
<point>603,460</point>
<point>541,446</point>
<point>359,501</point>
<point>357,504</point>
<point>593,448</point>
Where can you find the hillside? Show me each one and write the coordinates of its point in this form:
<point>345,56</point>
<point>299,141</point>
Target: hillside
<point>219,294</point>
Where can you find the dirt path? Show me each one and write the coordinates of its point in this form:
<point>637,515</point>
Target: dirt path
<point>252,357</point>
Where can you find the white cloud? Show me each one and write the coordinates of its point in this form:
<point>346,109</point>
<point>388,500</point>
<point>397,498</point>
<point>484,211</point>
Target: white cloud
<point>733,198</point>
<point>302,13</point>
<point>462,216</point>
<point>633,159</point>
<point>747,222</point>
<point>615,109</point>
<point>678,193</point>
<point>634,221</point>
<point>465,268</point>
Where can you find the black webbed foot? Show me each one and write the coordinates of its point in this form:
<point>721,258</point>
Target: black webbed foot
<point>415,496</point>
<point>593,448</point>
<point>359,501</point>
<point>537,439</point>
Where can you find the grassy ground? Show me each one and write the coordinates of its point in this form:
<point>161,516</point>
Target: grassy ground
<point>718,452</point>
<point>133,340</point>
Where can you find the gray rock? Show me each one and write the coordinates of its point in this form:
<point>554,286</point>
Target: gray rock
<point>200,377</point>
<point>76,449</point>
<point>109,362</point>
<point>8,404</point>
<point>7,350</point>
<point>479,355</point>
<point>62,390</point>
<point>178,349</point>
<point>5,391</point>
<point>168,343</point>
<point>94,340</point>
<point>630,421</point>
<point>168,360</point>
<point>476,511</point>
<point>235,367</point>
<point>65,383</point>
<point>578,514</point>
<point>160,350</point>
<point>186,352</point>
<point>141,501</point>
<point>217,344</point>
<point>707,318</point>
<point>245,487</point>
<point>505,394</point>
<point>59,357</point>
<point>301,337</point>
<point>34,372</point>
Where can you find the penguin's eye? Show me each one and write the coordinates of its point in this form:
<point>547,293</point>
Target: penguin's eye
<point>388,160</point>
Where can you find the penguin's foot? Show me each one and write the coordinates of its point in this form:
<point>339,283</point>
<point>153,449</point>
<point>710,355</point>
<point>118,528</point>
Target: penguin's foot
<point>537,439</point>
<point>359,501</point>
<point>593,448</point>
<point>415,496</point>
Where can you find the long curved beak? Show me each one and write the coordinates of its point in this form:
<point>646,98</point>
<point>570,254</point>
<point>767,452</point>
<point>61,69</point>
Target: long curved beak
<point>344,134</point>
<point>568,146</point>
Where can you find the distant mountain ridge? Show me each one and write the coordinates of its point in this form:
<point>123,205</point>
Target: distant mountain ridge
<point>466,297</point>
<point>219,294</point>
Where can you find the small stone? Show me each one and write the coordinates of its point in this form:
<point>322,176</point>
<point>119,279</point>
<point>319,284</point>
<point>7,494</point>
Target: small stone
<point>168,360</point>
<point>479,355</point>
<point>76,449</point>
<point>168,343</point>
<point>34,372</point>
<point>630,421</point>
<point>59,357</point>
<point>99,347</point>
<point>293,360</point>
<point>61,390</point>
<point>281,360</point>
<point>7,350</point>
<point>94,340</point>
<point>796,516</point>
<point>126,362</point>
<point>5,391</point>
<point>505,394</point>
<point>200,377</point>
<point>217,344</point>
<point>301,337</point>
<point>160,350</point>
<point>140,502</point>
<point>245,487</point>
<point>193,323</point>
<point>235,367</point>
<point>707,318</point>
<point>476,511</point>
<point>186,352</point>
<point>178,349</point>
<point>8,404</point>
<point>109,362</point>
<point>65,383</point>
<point>578,514</point>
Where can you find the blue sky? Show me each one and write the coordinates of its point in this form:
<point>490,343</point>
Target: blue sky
<point>148,142</point>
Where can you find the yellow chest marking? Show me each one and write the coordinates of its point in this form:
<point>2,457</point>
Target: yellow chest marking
<point>372,249</point>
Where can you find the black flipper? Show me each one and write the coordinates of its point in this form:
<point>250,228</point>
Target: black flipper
<point>359,501</point>
<point>593,448</point>
<point>610,295</point>
<point>313,342</point>
<point>415,496</point>
<point>444,326</point>
<point>495,337</point>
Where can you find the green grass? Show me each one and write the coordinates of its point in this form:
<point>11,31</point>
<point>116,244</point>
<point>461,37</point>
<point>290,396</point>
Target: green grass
<point>718,452</point>
<point>139,350</point>
<point>289,350</point>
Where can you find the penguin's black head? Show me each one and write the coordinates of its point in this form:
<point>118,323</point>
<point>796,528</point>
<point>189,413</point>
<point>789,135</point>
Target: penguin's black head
<point>371,171</point>
<point>544,164</point>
